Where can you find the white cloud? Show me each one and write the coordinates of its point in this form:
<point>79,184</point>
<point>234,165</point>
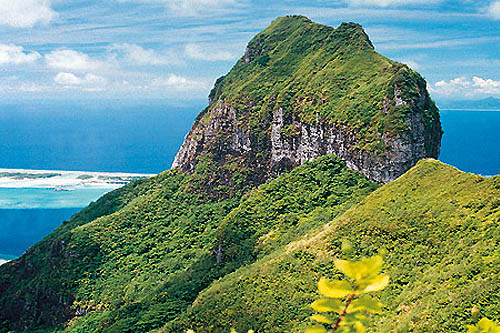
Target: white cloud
<point>70,79</point>
<point>494,10</point>
<point>208,53</point>
<point>462,86</point>
<point>12,54</point>
<point>25,13</point>
<point>2,261</point>
<point>180,83</point>
<point>136,54</point>
<point>71,60</point>
<point>388,3</point>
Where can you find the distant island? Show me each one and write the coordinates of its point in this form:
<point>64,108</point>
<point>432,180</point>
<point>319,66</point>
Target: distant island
<point>490,103</point>
<point>65,180</point>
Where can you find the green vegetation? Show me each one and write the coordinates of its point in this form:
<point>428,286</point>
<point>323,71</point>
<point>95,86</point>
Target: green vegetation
<point>366,279</point>
<point>316,73</point>
<point>140,255</point>
<point>484,326</point>
<point>287,208</point>
<point>440,228</point>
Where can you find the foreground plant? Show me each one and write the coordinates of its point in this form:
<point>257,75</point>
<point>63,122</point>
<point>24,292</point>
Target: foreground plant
<point>346,301</point>
<point>484,326</point>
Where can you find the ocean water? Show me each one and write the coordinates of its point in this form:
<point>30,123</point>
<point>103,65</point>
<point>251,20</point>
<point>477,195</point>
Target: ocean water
<point>114,136</point>
<point>21,228</point>
<point>143,137</point>
<point>101,136</point>
<point>471,141</point>
<point>46,198</point>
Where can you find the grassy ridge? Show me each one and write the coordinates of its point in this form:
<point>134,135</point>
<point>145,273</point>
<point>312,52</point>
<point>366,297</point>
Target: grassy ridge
<point>440,228</point>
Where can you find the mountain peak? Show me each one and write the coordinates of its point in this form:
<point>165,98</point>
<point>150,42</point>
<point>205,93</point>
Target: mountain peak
<point>289,31</point>
<point>302,90</point>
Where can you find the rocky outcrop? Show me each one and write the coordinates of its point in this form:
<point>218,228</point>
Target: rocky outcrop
<point>294,142</point>
<point>393,122</point>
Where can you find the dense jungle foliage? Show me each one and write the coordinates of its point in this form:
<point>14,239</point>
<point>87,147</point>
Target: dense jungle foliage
<point>440,229</point>
<point>139,256</point>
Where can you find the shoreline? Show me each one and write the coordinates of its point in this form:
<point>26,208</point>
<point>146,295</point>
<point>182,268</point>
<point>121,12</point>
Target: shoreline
<point>61,180</point>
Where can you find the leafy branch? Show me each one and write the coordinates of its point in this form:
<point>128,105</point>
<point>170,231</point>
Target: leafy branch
<point>484,326</point>
<point>347,298</point>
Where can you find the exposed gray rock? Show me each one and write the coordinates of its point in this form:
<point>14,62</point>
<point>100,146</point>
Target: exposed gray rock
<point>309,141</point>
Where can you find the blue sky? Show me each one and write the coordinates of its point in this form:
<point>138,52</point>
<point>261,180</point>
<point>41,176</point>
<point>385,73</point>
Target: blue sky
<point>175,49</point>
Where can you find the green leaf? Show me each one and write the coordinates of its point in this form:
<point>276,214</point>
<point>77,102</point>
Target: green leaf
<point>334,289</point>
<point>346,267</point>
<point>472,329</point>
<point>365,303</point>
<point>363,269</point>
<point>322,319</point>
<point>488,326</point>
<point>345,329</point>
<point>484,326</point>
<point>376,283</point>
<point>316,329</point>
<point>327,305</point>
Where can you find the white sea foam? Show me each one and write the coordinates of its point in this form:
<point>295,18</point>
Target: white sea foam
<point>64,180</point>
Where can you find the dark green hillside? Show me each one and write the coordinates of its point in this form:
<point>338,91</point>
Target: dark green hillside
<point>288,207</point>
<point>143,265</point>
<point>441,230</point>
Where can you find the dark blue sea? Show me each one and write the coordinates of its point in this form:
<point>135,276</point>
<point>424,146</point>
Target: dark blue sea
<point>143,137</point>
<point>114,136</point>
<point>471,141</point>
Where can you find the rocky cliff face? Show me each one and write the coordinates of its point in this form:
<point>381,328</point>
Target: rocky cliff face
<point>382,134</point>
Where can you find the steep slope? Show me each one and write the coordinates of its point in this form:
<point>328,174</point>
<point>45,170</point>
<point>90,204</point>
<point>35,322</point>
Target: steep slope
<point>142,265</point>
<point>441,230</point>
<point>302,90</point>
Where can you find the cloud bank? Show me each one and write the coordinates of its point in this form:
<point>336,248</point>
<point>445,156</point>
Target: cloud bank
<point>181,83</point>
<point>12,54</point>
<point>70,79</point>
<point>71,60</point>
<point>463,86</point>
<point>25,13</point>
<point>136,54</point>
<point>494,10</point>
